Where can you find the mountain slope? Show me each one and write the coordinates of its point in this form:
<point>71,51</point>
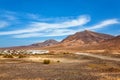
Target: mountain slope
<point>82,41</point>
<point>113,43</point>
<point>45,43</point>
<point>85,40</point>
<point>88,37</point>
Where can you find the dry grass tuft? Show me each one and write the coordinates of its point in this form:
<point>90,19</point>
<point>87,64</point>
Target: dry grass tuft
<point>46,61</point>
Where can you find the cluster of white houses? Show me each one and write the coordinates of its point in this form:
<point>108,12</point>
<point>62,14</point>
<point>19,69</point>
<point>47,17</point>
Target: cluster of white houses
<point>6,51</point>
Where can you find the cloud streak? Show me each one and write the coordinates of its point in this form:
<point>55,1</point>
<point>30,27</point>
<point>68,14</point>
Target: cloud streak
<point>103,24</point>
<point>55,32</point>
<point>39,26</point>
<point>28,35</point>
<point>65,31</point>
<point>49,29</point>
<point>4,24</point>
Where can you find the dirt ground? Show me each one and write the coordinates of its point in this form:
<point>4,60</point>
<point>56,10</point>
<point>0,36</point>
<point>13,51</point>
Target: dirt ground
<point>61,67</point>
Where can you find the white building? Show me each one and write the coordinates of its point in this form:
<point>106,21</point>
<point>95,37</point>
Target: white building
<point>23,51</point>
<point>37,51</point>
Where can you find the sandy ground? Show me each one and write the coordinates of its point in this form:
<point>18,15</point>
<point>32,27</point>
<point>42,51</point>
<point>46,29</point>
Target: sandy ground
<point>70,67</point>
<point>62,60</point>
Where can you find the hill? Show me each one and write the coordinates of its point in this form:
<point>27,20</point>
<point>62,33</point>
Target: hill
<point>85,37</point>
<point>88,37</point>
<point>45,43</point>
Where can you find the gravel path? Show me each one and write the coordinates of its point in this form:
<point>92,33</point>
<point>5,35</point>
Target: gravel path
<point>98,56</point>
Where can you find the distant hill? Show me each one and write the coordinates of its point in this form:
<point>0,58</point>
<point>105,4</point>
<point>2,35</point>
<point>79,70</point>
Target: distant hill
<point>45,43</point>
<point>34,46</point>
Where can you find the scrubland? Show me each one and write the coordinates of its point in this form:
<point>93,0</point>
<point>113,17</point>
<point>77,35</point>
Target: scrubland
<point>63,66</point>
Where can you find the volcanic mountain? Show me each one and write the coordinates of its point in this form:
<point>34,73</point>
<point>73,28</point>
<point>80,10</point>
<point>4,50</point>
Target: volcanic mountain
<point>87,37</point>
<point>111,43</point>
<point>45,43</point>
<point>82,40</point>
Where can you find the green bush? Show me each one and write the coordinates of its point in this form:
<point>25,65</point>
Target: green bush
<point>46,61</point>
<point>8,56</point>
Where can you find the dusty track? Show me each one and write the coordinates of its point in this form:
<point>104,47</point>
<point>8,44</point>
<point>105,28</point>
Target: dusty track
<point>98,56</point>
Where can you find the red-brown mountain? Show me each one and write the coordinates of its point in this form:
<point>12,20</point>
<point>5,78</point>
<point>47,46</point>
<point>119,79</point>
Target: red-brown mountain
<point>113,40</point>
<point>86,37</point>
<point>82,41</point>
<point>113,43</point>
<point>45,43</point>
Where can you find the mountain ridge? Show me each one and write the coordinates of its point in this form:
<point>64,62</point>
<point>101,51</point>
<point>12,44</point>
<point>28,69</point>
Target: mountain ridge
<point>80,40</point>
<point>87,37</point>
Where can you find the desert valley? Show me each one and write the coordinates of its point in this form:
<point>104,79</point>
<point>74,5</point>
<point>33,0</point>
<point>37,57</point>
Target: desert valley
<point>59,39</point>
<point>85,55</point>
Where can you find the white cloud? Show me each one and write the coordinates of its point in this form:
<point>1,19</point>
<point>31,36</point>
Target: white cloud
<point>8,15</point>
<point>28,35</point>
<point>33,16</point>
<point>7,19</point>
<point>55,32</point>
<point>61,32</point>
<point>40,27</point>
<point>64,31</point>
<point>63,27</point>
<point>36,17</point>
<point>3,24</point>
<point>103,24</point>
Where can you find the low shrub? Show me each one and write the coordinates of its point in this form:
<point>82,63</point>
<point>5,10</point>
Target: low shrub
<point>66,52</point>
<point>46,61</point>
<point>8,56</point>
<point>58,61</point>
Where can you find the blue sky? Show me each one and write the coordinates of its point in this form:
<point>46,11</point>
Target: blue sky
<point>23,22</point>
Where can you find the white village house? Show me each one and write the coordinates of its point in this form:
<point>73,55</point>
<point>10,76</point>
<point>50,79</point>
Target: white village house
<point>23,51</point>
<point>37,51</point>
